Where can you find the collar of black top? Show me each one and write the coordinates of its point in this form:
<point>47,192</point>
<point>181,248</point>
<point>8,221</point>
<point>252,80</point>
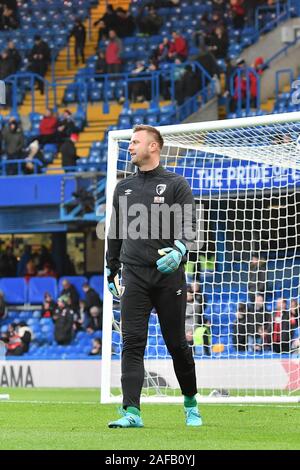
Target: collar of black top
<point>156,171</point>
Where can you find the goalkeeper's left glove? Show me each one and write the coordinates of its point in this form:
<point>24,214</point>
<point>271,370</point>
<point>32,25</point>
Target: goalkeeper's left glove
<point>171,258</point>
<point>113,283</point>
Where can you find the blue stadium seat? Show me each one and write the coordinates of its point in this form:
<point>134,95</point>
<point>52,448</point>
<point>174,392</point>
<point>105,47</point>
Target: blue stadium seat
<point>96,282</point>
<point>14,289</point>
<point>38,286</point>
<point>77,281</point>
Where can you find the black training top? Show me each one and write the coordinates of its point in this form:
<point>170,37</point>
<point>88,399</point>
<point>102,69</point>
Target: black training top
<point>151,209</point>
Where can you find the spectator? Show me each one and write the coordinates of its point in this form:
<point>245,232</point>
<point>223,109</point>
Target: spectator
<point>7,68</point>
<point>296,342</point>
<point>79,33</point>
<point>15,56</point>
<point>6,65</point>
<point>177,74</point>
<point>257,277</point>
<point>109,19</point>
<point>263,338</point>
<point>239,337</point>
<point>258,322</point>
<point>208,62</point>
<point>137,90</point>
<point>30,270</point>
<point>218,43</point>
<point>95,320</point>
<point>66,126</point>
<point>25,257</point>
<point>70,291</point>
<point>238,13</point>
<point>47,271</point>
<point>36,154</point>
<point>97,347</point>
<point>92,299</point>
<point>8,20</point>
<point>282,328</point>
<point>13,340</point>
<point>25,335</point>
<point>44,257</point>
<point>48,128</point>
<point>63,318</point>
<point>239,85</point>
<point>178,47</point>
<point>125,24</point>
<point>250,7</point>
<point>102,32</point>
<point>39,60</point>
<point>49,306</point>
<point>101,65</point>
<point>85,199</point>
<point>2,306</point>
<point>259,65</point>
<point>13,141</point>
<point>163,50</point>
<point>8,263</point>
<point>201,320</point>
<point>188,85</point>
<point>148,20</point>
<point>294,315</point>
<point>69,153</point>
<point>207,261</point>
<point>113,53</point>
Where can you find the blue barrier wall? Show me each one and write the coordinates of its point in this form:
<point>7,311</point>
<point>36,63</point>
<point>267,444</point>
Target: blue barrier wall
<point>35,190</point>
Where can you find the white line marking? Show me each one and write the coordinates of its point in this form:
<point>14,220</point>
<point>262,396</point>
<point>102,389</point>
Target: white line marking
<point>45,402</point>
<point>48,402</point>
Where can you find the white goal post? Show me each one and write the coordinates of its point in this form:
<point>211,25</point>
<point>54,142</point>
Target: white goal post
<point>243,277</point>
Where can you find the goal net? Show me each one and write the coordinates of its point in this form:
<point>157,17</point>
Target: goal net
<point>242,317</point>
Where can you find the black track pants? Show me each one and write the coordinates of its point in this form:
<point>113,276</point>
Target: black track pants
<point>145,288</point>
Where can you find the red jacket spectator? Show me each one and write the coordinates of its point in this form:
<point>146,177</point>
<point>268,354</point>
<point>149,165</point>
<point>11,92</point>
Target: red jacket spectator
<point>178,47</point>
<point>240,86</point>
<point>253,85</point>
<point>48,124</point>
<point>113,53</point>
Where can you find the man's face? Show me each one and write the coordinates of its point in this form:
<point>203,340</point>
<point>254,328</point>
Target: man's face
<point>140,146</point>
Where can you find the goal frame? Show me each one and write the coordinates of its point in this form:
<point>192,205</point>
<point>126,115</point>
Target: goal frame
<point>113,138</point>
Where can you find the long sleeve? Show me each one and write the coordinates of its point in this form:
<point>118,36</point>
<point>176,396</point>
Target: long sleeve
<point>114,240</point>
<point>185,226</point>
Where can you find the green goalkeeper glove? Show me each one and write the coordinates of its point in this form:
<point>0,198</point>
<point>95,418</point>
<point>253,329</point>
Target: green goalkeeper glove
<point>113,283</point>
<point>171,258</point>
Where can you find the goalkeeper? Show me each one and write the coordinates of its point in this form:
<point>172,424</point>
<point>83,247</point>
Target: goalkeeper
<point>152,270</point>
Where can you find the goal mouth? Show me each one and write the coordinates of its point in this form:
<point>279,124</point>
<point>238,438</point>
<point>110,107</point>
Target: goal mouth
<point>243,273</point>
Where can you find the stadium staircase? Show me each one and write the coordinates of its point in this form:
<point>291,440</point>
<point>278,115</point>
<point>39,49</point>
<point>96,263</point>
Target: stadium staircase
<point>97,121</point>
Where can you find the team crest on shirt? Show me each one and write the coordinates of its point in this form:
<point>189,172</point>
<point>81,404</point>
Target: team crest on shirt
<point>160,189</point>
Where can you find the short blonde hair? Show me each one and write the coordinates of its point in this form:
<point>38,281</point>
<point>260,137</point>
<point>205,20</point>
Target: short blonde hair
<point>151,130</point>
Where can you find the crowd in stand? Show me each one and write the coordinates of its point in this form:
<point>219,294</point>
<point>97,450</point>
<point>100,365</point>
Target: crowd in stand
<point>69,315</point>
<point>255,328</point>
<point>30,264</point>
<point>211,37</point>
<point>53,129</point>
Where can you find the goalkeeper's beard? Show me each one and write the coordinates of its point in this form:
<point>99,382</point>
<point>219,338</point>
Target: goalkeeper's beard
<point>140,160</point>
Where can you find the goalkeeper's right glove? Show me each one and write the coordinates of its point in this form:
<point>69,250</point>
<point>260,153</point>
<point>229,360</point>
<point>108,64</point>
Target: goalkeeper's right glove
<point>113,283</point>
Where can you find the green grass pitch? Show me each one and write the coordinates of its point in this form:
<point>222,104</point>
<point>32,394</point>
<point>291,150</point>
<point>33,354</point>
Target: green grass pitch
<point>74,419</point>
